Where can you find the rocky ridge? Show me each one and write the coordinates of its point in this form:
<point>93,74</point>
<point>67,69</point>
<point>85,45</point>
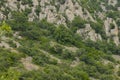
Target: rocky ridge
<point>60,12</point>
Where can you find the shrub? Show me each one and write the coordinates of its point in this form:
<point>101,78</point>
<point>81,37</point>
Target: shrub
<point>68,55</point>
<point>79,75</point>
<point>107,77</point>
<point>78,22</point>
<point>38,10</point>
<point>8,59</point>
<point>62,1</point>
<point>63,35</point>
<point>30,2</point>
<point>57,49</point>
<point>19,22</point>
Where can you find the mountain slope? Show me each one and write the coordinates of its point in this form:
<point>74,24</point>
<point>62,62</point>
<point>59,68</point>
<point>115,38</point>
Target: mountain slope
<point>59,39</point>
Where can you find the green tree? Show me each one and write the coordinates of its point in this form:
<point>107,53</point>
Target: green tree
<point>63,35</point>
<point>5,29</point>
<point>19,22</point>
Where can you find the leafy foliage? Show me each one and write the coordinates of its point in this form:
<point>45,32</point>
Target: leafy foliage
<point>57,50</point>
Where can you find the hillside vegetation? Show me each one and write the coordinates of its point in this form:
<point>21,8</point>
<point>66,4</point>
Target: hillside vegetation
<point>59,40</point>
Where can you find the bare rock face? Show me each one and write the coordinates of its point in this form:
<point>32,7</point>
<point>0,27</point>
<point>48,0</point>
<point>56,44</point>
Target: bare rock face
<point>115,33</point>
<point>112,2</point>
<point>107,26</point>
<point>35,2</point>
<point>103,7</point>
<point>2,16</point>
<point>70,14</point>
<point>78,10</point>
<point>89,33</point>
<point>53,14</point>
<point>27,62</point>
<point>88,16</point>
<point>11,4</point>
<point>112,32</point>
<point>118,8</point>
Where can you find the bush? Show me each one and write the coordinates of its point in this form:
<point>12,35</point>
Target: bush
<point>118,73</point>
<point>107,77</point>
<point>98,27</point>
<point>11,74</point>
<point>38,10</point>
<point>63,35</point>
<point>68,55</point>
<point>79,75</point>
<point>32,34</point>
<point>19,22</point>
<point>78,22</point>
<point>42,59</point>
<point>62,1</point>
<point>29,2</point>
<point>8,59</point>
<point>5,29</point>
<point>57,49</point>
